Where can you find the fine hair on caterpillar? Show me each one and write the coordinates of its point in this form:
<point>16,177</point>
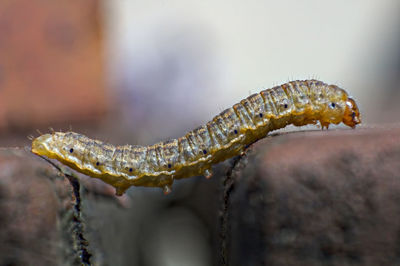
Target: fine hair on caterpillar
<point>226,135</point>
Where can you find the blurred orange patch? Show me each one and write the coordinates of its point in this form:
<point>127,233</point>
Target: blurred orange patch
<point>51,67</point>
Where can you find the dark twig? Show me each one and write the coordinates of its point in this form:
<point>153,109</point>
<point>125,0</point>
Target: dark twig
<point>228,184</point>
<point>83,253</point>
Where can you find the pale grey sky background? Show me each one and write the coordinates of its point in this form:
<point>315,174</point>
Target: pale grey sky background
<point>178,63</point>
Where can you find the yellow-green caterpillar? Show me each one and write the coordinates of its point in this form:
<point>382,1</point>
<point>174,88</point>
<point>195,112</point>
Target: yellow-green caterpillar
<point>226,135</point>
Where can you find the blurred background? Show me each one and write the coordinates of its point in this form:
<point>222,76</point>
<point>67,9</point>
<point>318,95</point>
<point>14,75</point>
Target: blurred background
<point>139,72</point>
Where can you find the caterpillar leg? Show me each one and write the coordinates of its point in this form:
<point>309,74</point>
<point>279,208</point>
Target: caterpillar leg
<point>208,173</point>
<point>167,189</point>
<point>324,124</point>
<point>119,191</point>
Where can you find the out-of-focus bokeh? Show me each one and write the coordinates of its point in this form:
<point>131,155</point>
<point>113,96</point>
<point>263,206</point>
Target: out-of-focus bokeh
<point>154,70</point>
<point>51,64</point>
<point>201,57</point>
<point>142,71</point>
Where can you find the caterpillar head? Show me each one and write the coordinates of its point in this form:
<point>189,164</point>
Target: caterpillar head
<point>351,115</point>
<point>338,107</point>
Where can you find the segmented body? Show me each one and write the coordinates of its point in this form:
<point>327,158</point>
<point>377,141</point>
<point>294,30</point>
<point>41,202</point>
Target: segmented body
<point>226,135</point>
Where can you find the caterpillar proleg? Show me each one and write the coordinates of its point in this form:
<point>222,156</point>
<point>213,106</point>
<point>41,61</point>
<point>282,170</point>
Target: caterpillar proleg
<point>226,135</point>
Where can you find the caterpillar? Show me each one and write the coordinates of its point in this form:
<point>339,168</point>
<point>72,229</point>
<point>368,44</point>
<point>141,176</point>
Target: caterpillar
<point>226,135</point>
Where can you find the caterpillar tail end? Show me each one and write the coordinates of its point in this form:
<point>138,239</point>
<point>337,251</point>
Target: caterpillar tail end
<point>351,115</point>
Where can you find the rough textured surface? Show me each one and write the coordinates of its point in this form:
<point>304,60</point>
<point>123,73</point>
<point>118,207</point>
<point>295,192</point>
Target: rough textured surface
<point>317,198</point>
<point>37,212</point>
<point>304,198</point>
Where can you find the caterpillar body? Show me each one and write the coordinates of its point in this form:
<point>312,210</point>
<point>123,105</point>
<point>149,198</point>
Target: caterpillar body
<point>226,135</point>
